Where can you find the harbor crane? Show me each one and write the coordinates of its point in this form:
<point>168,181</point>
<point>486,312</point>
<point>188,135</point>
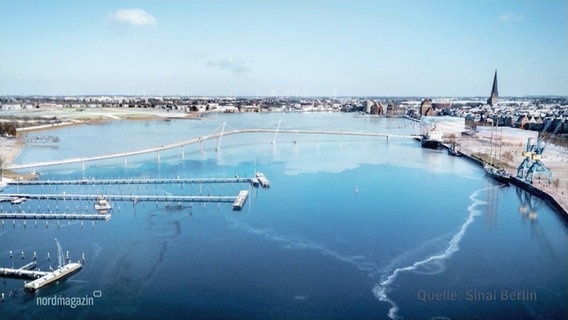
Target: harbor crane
<point>532,163</point>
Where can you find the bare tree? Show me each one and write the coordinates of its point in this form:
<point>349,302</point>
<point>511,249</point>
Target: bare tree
<point>556,183</point>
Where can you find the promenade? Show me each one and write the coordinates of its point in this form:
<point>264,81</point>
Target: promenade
<point>555,159</point>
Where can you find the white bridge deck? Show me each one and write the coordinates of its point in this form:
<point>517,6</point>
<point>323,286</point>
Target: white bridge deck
<point>198,140</point>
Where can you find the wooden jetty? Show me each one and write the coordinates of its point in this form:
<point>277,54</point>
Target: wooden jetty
<point>240,200</point>
<point>54,216</point>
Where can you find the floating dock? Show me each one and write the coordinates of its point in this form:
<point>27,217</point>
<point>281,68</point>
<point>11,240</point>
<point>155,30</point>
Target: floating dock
<point>41,278</point>
<point>53,276</point>
<point>55,216</point>
<point>262,180</point>
<point>23,272</point>
<point>136,198</point>
<point>240,200</point>
<point>93,182</point>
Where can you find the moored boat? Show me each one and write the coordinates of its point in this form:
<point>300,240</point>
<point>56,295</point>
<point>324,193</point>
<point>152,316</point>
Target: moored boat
<point>432,139</point>
<point>497,173</point>
<point>102,205</point>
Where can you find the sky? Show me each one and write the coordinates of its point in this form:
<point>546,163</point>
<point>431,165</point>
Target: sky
<point>438,48</point>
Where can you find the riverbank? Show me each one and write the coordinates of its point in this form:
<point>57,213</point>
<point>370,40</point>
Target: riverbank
<point>554,158</point>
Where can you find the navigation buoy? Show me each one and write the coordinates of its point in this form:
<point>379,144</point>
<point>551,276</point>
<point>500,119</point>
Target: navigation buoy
<point>48,256</point>
<point>10,254</point>
<point>35,255</point>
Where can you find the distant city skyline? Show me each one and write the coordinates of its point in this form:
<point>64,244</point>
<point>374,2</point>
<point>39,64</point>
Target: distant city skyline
<point>284,48</point>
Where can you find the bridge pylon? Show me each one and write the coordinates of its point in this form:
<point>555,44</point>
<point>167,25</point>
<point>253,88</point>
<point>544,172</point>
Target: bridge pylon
<point>220,137</point>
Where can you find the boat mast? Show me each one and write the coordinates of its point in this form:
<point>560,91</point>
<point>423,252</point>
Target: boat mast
<point>59,254</point>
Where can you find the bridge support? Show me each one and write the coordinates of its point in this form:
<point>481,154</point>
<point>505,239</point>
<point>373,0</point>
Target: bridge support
<point>158,156</point>
<point>388,137</point>
<point>276,134</point>
<point>125,162</point>
<point>182,153</point>
<point>83,166</point>
<point>220,137</point>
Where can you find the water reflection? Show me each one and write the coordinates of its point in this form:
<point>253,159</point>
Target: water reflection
<point>492,203</point>
<point>528,212</point>
<point>529,205</point>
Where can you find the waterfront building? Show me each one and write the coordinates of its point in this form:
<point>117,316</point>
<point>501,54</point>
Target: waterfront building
<point>448,125</point>
<point>426,108</point>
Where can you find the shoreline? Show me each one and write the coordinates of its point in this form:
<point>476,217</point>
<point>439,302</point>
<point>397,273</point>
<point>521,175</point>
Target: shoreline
<point>10,148</point>
<point>554,198</point>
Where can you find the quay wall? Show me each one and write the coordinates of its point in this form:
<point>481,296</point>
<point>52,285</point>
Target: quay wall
<point>529,188</point>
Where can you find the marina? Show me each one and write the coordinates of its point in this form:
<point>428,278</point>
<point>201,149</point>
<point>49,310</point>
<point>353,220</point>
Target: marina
<point>42,278</point>
<point>293,237</point>
<point>252,160</point>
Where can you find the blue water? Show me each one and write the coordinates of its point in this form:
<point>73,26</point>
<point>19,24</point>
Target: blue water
<point>351,228</point>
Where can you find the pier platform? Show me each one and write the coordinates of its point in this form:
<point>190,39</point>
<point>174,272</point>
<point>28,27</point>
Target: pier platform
<point>24,272</point>
<point>240,200</point>
<point>54,216</point>
<point>136,198</point>
<point>53,276</point>
<point>95,182</point>
<point>262,180</point>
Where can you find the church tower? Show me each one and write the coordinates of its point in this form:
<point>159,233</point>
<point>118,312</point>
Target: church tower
<point>494,92</point>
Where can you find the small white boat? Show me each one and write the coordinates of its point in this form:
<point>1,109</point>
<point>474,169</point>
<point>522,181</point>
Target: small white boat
<point>18,200</point>
<point>102,204</point>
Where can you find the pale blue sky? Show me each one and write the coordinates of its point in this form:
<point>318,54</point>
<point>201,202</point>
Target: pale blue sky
<point>352,48</point>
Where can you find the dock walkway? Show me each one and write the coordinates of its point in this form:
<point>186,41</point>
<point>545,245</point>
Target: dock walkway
<point>54,216</point>
<point>23,272</point>
<point>115,197</point>
<point>55,275</point>
<point>93,182</point>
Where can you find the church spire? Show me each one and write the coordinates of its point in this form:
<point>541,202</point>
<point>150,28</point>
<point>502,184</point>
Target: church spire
<point>494,92</point>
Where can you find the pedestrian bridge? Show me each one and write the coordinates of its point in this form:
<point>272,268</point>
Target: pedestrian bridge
<point>197,140</point>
